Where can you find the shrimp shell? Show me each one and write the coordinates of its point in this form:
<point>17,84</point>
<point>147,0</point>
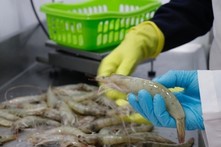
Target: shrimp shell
<point>6,138</point>
<point>85,109</point>
<point>52,114</point>
<point>59,139</point>
<point>127,84</point>
<point>107,139</point>
<point>100,123</point>
<point>133,138</point>
<point>32,121</point>
<point>63,130</point>
<point>67,116</point>
<point>51,98</point>
<point>5,122</point>
<point>16,102</point>
<point>8,116</point>
<point>25,112</point>
<point>114,130</point>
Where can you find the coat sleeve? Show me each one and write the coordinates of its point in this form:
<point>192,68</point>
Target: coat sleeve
<point>210,94</point>
<point>183,20</point>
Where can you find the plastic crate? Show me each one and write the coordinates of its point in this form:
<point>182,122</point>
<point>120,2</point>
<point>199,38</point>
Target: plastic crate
<point>96,24</point>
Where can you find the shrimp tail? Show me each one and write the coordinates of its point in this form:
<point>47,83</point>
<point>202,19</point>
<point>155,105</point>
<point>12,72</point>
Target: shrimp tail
<point>181,130</point>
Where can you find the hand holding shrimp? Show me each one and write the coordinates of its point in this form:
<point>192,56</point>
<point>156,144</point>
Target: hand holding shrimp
<point>128,84</point>
<point>154,108</point>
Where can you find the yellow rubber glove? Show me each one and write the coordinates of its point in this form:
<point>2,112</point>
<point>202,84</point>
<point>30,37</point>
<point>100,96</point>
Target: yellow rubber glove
<point>134,117</point>
<point>142,42</point>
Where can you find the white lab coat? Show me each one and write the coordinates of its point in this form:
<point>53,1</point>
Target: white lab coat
<point>215,50</point>
<point>209,83</point>
<point>210,93</point>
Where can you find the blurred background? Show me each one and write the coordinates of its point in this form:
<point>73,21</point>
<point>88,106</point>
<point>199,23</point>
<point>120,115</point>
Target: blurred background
<point>22,40</point>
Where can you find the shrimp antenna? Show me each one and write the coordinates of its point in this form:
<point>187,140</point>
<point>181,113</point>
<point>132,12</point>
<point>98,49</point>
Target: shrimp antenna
<point>21,86</point>
<point>104,88</point>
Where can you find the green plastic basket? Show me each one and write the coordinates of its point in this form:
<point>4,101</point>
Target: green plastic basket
<point>96,24</point>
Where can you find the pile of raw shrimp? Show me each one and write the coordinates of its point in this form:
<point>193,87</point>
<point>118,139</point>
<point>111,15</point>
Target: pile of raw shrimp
<point>75,115</point>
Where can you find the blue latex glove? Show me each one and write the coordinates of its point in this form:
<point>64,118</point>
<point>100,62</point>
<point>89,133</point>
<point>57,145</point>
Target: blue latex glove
<point>154,109</point>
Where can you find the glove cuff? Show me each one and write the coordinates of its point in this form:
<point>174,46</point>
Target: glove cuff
<point>149,37</point>
<point>159,39</point>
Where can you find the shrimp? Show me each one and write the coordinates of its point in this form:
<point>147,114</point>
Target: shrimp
<point>127,84</point>
<point>51,98</point>
<point>189,143</point>
<point>107,139</point>
<point>5,122</point>
<point>19,101</point>
<point>84,120</point>
<point>114,130</point>
<point>63,130</point>
<point>132,138</point>
<point>52,114</point>
<point>32,121</point>
<point>67,116</point>
<point>86,96</point>
<point>6,138</point>
<point>61,140</point>
<point>80,96</point>
<point>8,116</point>
<point>25,112</point>
<point>100,123</point>
<point>85,109</point>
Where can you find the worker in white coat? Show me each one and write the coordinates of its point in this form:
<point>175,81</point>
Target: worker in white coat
<point>174,24</point>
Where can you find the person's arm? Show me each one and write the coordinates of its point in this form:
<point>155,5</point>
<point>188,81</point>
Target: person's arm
<point>183,20</point>
<point>210,93</point>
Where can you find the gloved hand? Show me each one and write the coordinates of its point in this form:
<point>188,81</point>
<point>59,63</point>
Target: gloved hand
<point>141,42</point>
<point>154,109</point>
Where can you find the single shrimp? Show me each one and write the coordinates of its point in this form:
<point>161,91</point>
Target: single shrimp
<point>85,109</point>
<point>6,138</point>
<point>84,120</point>
<point>63,130</point>
<point>52,114</point>
<point>107,139</point>
<point>51,98</point>
<point>25,112</point>
<point>8,116</point>
<point>68,118</point>
<point>133,138</point>
<point>19,101</point>
<point>100,123</point>
<point>115,130</point>
<point>127,84</point>
<point>59,139</point>
<point>32,121</point>
<point>87,96</point>
<point>189,143</point>
<point>79,96</point>
<point>5,122</point>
